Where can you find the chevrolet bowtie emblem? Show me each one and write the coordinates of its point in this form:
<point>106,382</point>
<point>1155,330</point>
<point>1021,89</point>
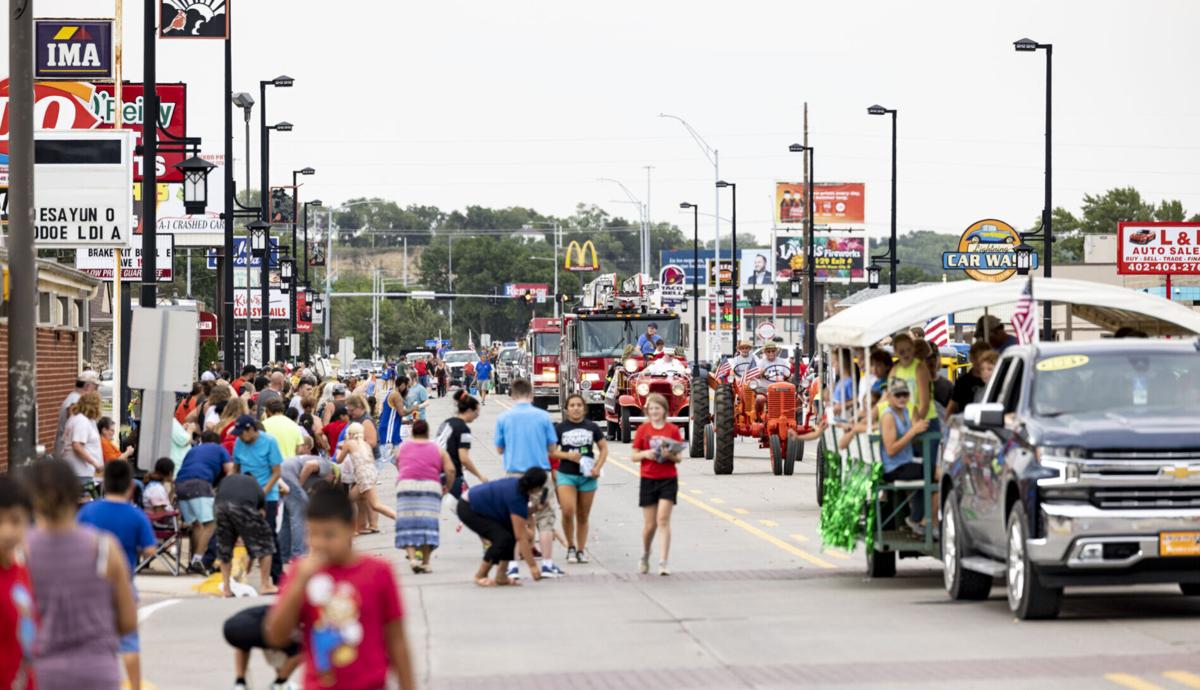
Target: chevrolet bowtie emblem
<point>1180,471</point>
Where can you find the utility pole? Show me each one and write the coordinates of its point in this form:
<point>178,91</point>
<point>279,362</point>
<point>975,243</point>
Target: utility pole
<point>22,260</point>
<point>149,297</point>
<point>807,232</point>
<point>647,262</point>
<point>228,330</point>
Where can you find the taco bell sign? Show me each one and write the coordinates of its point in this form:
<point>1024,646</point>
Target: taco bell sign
<point>73,49</point>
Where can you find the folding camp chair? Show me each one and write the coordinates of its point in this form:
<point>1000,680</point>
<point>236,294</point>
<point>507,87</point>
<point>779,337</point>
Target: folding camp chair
<point>170,534</point>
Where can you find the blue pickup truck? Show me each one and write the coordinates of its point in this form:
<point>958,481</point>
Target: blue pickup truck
<point>1079,466</point>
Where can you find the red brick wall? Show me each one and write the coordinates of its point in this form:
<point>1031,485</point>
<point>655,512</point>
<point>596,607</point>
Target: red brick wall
<point>57,365</point>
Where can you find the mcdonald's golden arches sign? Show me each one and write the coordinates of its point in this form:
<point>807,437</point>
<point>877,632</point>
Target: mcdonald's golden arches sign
<point>575,260</point>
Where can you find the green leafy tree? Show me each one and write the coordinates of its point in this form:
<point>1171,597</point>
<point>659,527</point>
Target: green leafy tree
<point>403,323</point>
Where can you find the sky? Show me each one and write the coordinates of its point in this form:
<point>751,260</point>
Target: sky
<point>452,103</point>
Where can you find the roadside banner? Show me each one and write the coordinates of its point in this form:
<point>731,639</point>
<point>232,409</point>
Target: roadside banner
<point>73,49</point>
<point>683,258</point>
<point>834,203</point>
<point>193,18</point>
<point>756,269</point>
<point>98,262</point>
<point>239,255</point>
<point>1158,248</point>
<point>279,304</point>
<point>840,257</point>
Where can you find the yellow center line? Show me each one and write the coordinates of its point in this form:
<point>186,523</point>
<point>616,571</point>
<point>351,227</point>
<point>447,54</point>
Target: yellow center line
<point>768,523</point>
<point>741,511</point>
<point>1131,681</point>
<point>769,538</point>
<point>718,501</point>
<point>798,537</point>
<point>698,492</point>
<point>1190,680</point>
<point>836,554</point>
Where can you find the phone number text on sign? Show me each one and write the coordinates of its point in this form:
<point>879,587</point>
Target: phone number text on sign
<point>1158,248</point>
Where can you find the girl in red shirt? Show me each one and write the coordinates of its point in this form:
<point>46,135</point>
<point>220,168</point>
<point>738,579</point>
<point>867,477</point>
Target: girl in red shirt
<point>653,445</point>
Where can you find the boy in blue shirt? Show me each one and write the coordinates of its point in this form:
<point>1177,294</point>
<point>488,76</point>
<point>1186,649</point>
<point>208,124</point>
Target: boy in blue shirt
<point>131,528</point>
<point>483,374</point>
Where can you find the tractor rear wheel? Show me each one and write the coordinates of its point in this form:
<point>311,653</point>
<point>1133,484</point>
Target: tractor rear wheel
<point>698,407</point>
<point>626,425</point>
<point>776,456</point>
<point>794,454</point>
<point>723,430</point>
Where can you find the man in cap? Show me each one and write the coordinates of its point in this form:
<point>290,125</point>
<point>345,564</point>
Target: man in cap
<point>744,361</point>
<point>257,453</point>
<point>648,339</point>
<point>337,399</point>
<point>991,330</point>
<point>774,367</point>
<point>86,382</point>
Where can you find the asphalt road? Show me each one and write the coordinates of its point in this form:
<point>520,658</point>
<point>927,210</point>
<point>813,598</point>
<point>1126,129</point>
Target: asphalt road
<point>753,602</point>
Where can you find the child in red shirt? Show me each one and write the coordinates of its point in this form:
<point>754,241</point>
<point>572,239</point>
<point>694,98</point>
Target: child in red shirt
<point>347,606</point>
<point>657,444</point>
<point>18,622</point>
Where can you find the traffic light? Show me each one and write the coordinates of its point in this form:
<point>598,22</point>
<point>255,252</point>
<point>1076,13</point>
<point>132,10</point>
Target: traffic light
<point>529,297</point>
<point>495,298</point>
<point>563,298</point>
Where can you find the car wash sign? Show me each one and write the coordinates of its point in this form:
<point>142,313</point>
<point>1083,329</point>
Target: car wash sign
<point>73,49</point>
<point>81,189</point>
<point>986,252</point>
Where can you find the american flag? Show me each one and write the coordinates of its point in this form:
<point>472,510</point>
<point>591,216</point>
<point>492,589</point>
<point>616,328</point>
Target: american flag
<point>1024,318</point>
<point>937,331</point>
<point>751,374</point>
<point>723,370</point>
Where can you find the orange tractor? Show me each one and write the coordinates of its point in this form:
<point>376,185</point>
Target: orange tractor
<point>774,409</point>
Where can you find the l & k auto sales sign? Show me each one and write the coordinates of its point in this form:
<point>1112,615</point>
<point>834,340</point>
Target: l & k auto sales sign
<point>1158,248</point>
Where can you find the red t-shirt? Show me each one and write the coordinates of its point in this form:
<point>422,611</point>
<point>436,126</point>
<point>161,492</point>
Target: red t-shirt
<point>343,619</point>
<point>421,367</point>
<point>228,440</point>
<point>18,627</point>
<point>469,369</point>
<point>641,441</point>
<point>333,431</point>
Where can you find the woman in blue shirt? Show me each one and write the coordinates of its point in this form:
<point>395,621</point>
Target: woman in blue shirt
<point>497,511</point>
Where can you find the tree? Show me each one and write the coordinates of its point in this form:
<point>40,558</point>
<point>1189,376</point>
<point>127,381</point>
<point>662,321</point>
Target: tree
<point>403,323</point>
<point>381,223</point>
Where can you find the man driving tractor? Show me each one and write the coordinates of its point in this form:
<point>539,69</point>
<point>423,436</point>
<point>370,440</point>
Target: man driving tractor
<point>744,361</point>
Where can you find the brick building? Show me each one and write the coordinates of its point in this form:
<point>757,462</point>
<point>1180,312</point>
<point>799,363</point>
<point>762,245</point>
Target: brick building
<point>63,322</point>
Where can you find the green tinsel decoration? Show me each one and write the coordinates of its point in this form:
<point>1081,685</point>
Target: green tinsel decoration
<point>848,513</point>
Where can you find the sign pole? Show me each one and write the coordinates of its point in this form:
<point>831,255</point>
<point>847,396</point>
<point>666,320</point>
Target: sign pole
<point>1168,287</point>
<point>149,296</point>
<point>118,350</point>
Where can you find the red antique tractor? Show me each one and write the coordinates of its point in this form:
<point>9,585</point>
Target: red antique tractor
<point>625,400</point>
<point>770,408</point>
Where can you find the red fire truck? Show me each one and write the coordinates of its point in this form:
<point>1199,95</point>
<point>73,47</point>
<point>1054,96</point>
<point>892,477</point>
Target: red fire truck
<point>609,317</point>
<point>542,348</point>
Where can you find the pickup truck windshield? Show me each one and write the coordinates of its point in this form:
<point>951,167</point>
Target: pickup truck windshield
<point>509,356</point>
<point>461,357</point>
<point>608,338</point>
<point>1136,382</point>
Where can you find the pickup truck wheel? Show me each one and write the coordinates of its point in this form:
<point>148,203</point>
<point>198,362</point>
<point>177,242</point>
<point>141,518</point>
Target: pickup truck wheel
<point>1190,589</point>
<point>961,584</point>
<point>1027,598</point>
<point>723,430</point>
<point>820,473</point>
<point>793,454</point>
<point>698,407</point>
<point>776,456</point>
<point>626,425</point>
<point>881,563</point>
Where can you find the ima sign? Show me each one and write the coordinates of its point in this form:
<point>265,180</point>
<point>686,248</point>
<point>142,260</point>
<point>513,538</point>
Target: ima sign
<point>72,49</point>
<point>574,250</point>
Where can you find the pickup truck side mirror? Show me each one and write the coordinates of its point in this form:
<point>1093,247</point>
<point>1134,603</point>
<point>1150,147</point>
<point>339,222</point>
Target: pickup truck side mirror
<point>984,415</point>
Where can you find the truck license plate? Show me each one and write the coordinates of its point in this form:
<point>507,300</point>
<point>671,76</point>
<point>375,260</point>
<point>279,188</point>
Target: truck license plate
<point>1179,544</point>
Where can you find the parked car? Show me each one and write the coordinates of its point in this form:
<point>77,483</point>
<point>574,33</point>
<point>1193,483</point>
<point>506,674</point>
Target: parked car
<point>1080,466</point>
<point>455,361</point>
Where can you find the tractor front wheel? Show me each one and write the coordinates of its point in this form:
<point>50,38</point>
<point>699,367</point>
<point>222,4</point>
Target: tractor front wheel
<point>776,456</point>
<point>794,454</point>
<point>626,425</point>
<point>723,430</point>
<point>698,407</point>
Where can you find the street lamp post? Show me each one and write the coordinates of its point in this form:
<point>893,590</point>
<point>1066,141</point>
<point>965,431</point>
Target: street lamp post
<point>295,220</point>
<point>810,298</point>
<point>283,82</point>
<point>643,258</point>
<point>695,286</point>
<point>891,252</point>
<point>1026,45</point>
<point>721,184</point>
<point>304,351</point>
<point>259,239</point>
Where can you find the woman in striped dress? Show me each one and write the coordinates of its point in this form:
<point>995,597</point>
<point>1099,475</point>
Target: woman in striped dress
<point>425,472</point>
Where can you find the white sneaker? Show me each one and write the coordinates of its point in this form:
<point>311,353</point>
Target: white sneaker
<point>513,572</point>
<point>644,565</point>
<point>239,686</point>
<point>663,569</point>
<point>551,570</point>
<point>581,557</point>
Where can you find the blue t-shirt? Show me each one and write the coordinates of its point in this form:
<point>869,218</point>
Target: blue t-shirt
<point>129,525</point>
<point>646,344</point>
<point>498,499</point>
<point>843,391</point>
<point>258,458</point>
<point>483,371</point>
<point>416,395</point>
<point>525,434</point>
<point>205,461</point>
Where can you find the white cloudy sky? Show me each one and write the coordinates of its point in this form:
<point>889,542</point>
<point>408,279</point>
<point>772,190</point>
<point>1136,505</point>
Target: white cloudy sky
<point>527,103</point>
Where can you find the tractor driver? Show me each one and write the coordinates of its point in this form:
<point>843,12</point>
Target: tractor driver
<point>744,361</point>
<point>773,367</point>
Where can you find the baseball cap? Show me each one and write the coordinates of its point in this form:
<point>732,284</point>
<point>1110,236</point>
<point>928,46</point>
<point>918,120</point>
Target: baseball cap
<point>652,325</point>
<point>339,389</point>
<point>770,346</point>
<point>898,386</point>
<point>89,376</point>
<point>244,422</point>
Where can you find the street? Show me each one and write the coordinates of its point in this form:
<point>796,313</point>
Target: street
<point>753,602</point>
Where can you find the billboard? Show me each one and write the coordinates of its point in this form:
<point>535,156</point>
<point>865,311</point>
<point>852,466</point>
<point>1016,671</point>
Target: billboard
<point>279,304</point>
<point>57,105</point>
<point>834,203</point>
<point>683,259</point>
<point>99,262</point>
<point>756,269</point>
<point>73,49</point>
<point>726,272</point>
<point>839,257</point>
<point>193,18</point>
<point>1158,248</point>
<point>172,119</point>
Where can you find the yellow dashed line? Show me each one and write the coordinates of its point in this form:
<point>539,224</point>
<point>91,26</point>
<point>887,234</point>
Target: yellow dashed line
<point>1131,681</point>
<point>769,538</point>
<point>698,492</point>
<point>718,501</point>
<point>836,554</point>
<point>1190,680</point>
<point>798,537</point>
<point>768,523</point>
<point>741,511</point>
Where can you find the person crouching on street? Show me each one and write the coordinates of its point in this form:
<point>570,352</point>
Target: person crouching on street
<point>499,512</point>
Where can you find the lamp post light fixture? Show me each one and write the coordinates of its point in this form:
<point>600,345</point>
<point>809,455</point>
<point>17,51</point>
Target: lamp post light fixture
<point>260,241</point>
<point>695,285</point>
<point>1028,45</point>
<point>1024,257</point>
<point>258,237</point>
<point>810,299</point>
<point>891,252</point>
<point>286,273</point>
<point>195,183</point>
<point>873,274</point>
<point>722,184</point>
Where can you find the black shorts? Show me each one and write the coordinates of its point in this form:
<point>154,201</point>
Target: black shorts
<point>906,472</point>
<point>655,490</point>
<point>499,535</point>
<point>238,520</point>
<point>244,630</point>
